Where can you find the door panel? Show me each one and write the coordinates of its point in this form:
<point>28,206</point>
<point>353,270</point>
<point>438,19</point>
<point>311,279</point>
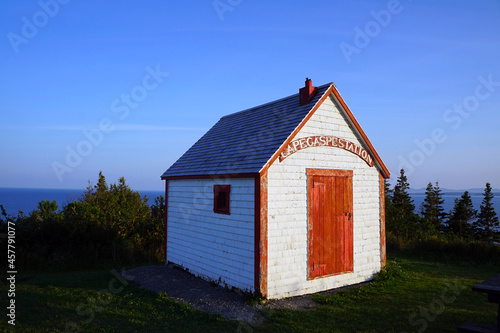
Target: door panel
<point>318,232</point>
<point>330,222</point>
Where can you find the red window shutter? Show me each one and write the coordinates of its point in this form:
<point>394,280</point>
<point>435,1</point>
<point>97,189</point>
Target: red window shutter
<point>222,199</point>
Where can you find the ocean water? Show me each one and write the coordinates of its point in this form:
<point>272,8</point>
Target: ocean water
<point>449,201</point>
<point>27,199</point>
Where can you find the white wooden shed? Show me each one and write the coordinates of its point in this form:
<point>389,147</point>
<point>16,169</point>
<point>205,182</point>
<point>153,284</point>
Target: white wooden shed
<point>285,199</point>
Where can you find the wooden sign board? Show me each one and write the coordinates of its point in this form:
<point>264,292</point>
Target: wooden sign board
<point>326,141</point>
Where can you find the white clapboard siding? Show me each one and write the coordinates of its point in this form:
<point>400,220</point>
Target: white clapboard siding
<point>287,210</point>
<point>214,246</point>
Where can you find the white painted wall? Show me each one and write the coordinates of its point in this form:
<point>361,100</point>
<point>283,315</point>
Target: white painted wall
<point>208,244</point>
<point>287,210</point>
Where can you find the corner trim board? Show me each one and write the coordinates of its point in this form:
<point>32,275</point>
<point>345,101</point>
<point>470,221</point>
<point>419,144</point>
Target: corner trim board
<point>263,235</point>
<point>166,219</point>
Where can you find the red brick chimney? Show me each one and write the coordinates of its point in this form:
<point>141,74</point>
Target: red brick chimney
<point>306,93</point>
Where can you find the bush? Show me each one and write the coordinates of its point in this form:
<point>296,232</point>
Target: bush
<point>446,246</point>
<point>108,224</point>
<point>391,272</point>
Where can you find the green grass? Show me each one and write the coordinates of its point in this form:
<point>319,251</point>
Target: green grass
<point>411,295</point>
<point>96,301</point>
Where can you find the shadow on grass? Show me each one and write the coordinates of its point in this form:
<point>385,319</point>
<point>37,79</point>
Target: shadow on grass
<point>414,293</point>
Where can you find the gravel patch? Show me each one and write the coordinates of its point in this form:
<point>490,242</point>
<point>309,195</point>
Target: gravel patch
<point>206,296</point>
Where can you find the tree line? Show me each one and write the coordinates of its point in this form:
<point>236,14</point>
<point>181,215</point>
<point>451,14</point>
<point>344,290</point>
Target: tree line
<point>107,224</point>
<point>462,222</point>
<point>114,224</point>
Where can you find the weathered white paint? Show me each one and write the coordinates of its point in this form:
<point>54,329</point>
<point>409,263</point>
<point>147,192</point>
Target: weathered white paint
<point>214,246</point>
<point>287,210</point>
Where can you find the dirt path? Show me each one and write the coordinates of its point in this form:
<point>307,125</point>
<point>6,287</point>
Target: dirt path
<point>205,296</point>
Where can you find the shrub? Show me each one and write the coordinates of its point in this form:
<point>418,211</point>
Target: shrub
<point>108,224</point>
<point>392,271</point>
<point>446,246</point>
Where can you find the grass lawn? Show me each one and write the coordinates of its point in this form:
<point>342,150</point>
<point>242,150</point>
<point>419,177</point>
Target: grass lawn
<point>412,295</point>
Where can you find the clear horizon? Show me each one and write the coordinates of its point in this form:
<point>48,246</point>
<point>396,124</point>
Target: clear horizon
<point>78,189</point>
<point>161,190</point>
<point>126,89</point>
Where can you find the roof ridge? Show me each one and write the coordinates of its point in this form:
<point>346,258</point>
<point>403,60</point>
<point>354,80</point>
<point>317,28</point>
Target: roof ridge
<point>275,101</point>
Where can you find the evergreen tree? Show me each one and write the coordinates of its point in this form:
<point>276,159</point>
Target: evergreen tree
<point>426,206</point>
<point>390,215</point>
<point>432,208</point>
<point>461,216</point>
<point>440,202</point>
<point>400,218</point>
<point>97,194</point>
<point>388,194</point>
<point>487,226</point>
<point>401,198</point>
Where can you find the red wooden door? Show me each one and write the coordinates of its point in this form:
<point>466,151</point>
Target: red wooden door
<point>330,222</point>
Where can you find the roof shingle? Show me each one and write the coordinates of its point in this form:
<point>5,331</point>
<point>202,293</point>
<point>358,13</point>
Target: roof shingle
<point>244,141</point>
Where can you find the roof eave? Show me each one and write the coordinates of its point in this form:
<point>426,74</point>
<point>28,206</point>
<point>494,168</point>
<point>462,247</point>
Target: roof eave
<point>381,166</point>
<point>213,176</point>
<point>332,90</point>
<point>296,130</point>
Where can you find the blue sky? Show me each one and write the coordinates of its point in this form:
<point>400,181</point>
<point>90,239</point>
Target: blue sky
<point>126,87</point>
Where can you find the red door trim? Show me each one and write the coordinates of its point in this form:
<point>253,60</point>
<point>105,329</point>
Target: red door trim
<point>328,172</point>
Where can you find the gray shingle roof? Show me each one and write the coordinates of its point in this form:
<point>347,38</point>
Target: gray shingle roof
<point>244,141</point>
